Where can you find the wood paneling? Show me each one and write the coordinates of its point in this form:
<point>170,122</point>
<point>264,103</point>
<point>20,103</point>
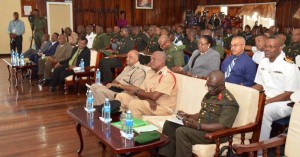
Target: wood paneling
<point>164,12</point>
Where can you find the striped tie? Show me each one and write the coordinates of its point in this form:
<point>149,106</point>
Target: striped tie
<point>229,68</point>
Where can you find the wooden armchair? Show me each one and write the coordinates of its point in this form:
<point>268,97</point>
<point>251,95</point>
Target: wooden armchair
<point>81,78</point>
<point>291,140</point>
<point>243,131</point>
<point>118,70</point>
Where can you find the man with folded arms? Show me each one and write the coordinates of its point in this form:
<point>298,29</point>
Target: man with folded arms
<point>157,94</point>
<point>133,75</point>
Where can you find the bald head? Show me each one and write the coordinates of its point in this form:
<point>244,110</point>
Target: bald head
<point>132,57</point>
<point>215,82</point>
<point>158,60</point>
<point>217,76</point>
<point>164,42</point>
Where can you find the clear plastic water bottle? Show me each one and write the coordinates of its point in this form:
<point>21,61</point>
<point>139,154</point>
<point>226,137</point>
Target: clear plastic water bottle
<point>17,58</point>
<point>106,111</point>
<point>129,125</point>
<point>98,77</point>
<point>12,55</point>
<point>89,101</point>
<point>22,62</point>
<point>81,65</point>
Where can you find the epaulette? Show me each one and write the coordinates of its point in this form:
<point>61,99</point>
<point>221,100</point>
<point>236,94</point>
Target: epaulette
<point>288,60</point>
<point>181,47</point>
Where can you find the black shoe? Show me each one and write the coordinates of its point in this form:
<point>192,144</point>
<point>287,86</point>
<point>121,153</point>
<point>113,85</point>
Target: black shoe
<point>41,81</point>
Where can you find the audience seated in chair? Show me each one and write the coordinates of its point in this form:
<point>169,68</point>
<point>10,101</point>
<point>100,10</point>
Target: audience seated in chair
<point>71,36</point>
<point>90,36</point>
<point>64,70</point>
<point>60,57</point>
<point>219,110</point>
<point>45,46</point>
<point>132,76</point>
<point>101,41</point>
<point>106,64</point>
<point>157,94</point>
<point>239,68</point>
<point>279,79</point>
<point>203,61</point>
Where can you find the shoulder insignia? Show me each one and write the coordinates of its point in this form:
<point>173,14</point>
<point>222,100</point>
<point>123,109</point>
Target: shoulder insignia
<point>228,97</point>
<point>278,72</point>
<point>288,60</point>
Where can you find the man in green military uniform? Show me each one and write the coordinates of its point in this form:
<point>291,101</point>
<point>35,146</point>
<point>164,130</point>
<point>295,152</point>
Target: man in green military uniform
<point>175,56</point>
<point>293,51</point>
<point>218,112</point>
<point>140,39</point>
<point>40,28</point>
<point>191,43</point>
<point>124,46</point>
<point>109,32</point>
<point>101,41</point>
<point>152,46</point>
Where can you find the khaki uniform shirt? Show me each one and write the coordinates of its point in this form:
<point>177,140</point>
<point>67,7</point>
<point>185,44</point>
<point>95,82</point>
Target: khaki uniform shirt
<point>133,75</point>
<point>175,56</point>
<point>220,109</point>
<point>164,82</point>
<point>72,39</point>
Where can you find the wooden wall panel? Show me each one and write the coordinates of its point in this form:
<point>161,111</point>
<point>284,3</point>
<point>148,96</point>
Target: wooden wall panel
<point>164,12</point>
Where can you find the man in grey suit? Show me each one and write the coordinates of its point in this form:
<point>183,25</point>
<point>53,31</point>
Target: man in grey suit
<point>45,46</point>
<point>61,56</point>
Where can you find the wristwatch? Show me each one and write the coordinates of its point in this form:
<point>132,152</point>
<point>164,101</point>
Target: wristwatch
<point>199,124</point>
<point>136,92</point>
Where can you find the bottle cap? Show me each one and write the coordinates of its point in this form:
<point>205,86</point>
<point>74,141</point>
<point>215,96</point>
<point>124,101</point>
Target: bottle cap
<point>106,99</point>
<point>128,111</point>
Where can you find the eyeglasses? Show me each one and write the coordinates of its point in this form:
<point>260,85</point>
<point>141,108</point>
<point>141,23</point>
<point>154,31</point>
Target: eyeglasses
<point>200,44</point>
<point>212,87</point>
<point>235,45</point>
<point>270,47</point>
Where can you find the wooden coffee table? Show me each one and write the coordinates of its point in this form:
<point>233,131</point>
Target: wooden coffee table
<point>109,135</point>
<point>17,69</point>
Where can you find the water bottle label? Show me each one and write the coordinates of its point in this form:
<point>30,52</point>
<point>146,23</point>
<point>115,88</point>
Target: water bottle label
<point>129,123</point>
<point>90,100</point>
<point>106,109</point>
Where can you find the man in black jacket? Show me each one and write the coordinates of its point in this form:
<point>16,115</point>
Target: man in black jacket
<point>65,70</point>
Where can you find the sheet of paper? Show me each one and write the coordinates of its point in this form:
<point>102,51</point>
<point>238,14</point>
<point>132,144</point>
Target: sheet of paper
<point>176,120</point>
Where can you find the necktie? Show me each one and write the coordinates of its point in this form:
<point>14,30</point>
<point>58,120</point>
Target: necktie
<point>194,60</point>
<point>229,68</point>
<point>74,57</point>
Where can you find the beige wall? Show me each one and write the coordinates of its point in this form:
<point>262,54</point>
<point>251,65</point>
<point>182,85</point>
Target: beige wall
<point>7,8</point>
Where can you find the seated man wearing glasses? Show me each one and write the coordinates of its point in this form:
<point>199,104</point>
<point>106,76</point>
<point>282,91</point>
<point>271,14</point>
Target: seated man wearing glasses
<point>278,77</point>
<point>219,110</point>
<point>239,68</point>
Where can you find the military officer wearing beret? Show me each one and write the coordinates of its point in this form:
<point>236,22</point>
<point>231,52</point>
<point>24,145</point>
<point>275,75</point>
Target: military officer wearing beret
<point>133,75</point>
<point>294,50</point>
<point>124,46</point>
<point>101,41</point>
<point>218,112</point>
<point>278,78</point>
<point>175,56</point>
<point>40,28</point>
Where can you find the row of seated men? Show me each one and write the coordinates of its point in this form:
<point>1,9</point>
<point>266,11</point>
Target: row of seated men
<point>158,91</point>
<point>276,76</point>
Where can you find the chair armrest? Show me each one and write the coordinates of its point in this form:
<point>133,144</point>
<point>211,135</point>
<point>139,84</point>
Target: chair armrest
<point>270,143</point>
<point>231,131</point>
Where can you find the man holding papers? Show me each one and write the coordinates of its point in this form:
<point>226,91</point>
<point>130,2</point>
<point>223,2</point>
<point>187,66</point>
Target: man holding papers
<point>219,110</point>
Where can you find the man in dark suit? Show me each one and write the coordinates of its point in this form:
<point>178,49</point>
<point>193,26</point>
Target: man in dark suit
<point>65,70</point>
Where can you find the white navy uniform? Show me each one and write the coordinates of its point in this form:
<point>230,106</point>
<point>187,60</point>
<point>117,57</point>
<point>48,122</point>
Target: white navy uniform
<point>276,78</point>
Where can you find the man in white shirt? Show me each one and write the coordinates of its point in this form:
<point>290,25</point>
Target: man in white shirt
<point>279,78</point>
<point>90,36</point>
